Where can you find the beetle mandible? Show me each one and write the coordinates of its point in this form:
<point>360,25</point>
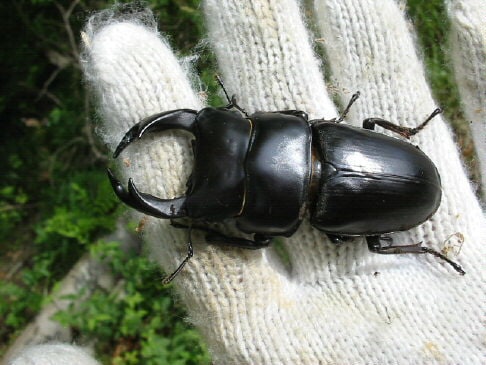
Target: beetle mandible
<point>265,170</point>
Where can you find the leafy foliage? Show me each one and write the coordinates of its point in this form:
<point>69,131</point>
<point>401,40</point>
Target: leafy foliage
<point>55,200</point>
<point>139,322</point>
<point>432,25</point>
<point>431,21</point>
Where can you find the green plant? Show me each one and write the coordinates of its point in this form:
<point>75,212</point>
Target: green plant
<point>54,196</point>
<point>139,322</point>
<point>431,22</point>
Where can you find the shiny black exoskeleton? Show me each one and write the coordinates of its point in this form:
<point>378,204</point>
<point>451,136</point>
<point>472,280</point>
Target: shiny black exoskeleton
<point>266,170</point>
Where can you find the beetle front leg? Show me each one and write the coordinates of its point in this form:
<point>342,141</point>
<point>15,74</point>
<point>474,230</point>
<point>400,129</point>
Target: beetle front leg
<point>406,132</point>
<point>214,237</point>
<point>345,112</point>
<point>218,238</point>
<point>190,253</point>
<point>375,245</point>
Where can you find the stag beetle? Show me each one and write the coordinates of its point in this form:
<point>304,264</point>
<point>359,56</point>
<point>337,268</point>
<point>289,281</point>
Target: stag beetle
<point>267,169</point>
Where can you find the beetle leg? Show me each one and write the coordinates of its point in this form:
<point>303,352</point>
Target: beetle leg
<point>374,245</point>
<point>345,112</point>
<point>220,82</point>
<point>234,104</point>
<point>231,101</point>
<point>337,239</point>
<point>259,241</point>
<point>190,253</point>
<point>406,132</point>
<point>173,119</point>
<point>218,238</point>
<point>343,115</point>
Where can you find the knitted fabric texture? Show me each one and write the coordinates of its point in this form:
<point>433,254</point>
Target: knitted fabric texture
<point>53,354</point>
<point>332,307</point>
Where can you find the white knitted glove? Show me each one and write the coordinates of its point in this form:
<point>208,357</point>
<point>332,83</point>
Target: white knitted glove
<point>331,307</point>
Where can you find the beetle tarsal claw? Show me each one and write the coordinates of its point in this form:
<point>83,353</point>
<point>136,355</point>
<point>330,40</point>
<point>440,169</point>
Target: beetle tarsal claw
<point>455,265</point>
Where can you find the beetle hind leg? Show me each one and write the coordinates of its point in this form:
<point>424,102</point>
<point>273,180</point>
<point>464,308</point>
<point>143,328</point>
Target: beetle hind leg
<point>375,245</point>
<point>406,132</point>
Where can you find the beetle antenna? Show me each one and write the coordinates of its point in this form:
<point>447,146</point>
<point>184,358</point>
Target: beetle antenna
<point>190,253</point>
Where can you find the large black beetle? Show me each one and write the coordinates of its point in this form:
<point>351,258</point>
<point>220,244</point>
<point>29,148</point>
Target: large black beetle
<point>267,169</point>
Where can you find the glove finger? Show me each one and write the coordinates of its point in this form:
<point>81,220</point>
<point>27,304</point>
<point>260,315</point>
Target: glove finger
<point>135,74</point>
<point>266,57</point>
<point>371,48</point>
<point>468,41</point>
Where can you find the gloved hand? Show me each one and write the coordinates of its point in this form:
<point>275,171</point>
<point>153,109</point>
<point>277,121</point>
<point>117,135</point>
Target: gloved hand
<point>332,306</point>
